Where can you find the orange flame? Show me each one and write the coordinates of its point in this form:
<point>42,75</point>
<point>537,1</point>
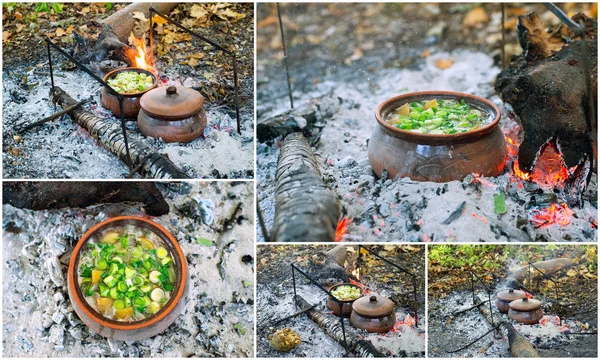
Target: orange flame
<point>342,228</point>
<point>528,295</point>
<point>554,214</point>
<point>138,54</point>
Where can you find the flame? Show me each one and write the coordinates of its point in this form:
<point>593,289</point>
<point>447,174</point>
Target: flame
<point>137,54</point>
<point>408,321</point>
<point>529,296</point>
<point>342,229</point>
<point>554,214</point>
<point>361,286</point>
<point>356,273</point>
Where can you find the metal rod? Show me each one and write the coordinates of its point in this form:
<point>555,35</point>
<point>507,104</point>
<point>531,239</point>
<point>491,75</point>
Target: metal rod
<point>491,313</point>
<point>578,30</point>
<point>51,117</point>
<point>151,20</point>
<point>124,129</point>
<point>343,329</point>
<point>261,221</point>
<point>294,282</point>
<point>503,41</point>
<point>236,96</point>
<point>415,302</point>
<point>474,341</point>
<point>51,72</point>
<point>285,62</point>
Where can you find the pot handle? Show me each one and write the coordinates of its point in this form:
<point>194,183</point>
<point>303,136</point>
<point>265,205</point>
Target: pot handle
<point>171,90</point>
<point>373,298</point>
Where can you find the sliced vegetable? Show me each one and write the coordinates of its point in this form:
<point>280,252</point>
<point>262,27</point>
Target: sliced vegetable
<point>346,292</point>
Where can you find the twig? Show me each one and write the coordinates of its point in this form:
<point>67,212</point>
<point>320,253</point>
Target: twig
<point>138,166</point>
<point>474,341</point>
<point>261,221</point>
<point>469,308</point>
<point>292,316</point>
<point>51,117</point>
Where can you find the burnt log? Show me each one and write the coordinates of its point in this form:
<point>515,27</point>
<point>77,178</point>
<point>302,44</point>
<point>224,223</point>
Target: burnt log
<point>547,89</point>
<point>109,134</point>
<point>41,195</point>
<point>300,119</point>
<point>519,346</point>
<point>549,267</point>
<point>332,327</point>
<point>305,209</point>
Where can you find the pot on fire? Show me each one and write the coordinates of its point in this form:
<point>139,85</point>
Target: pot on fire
<point>436,157</point>
<point>131,101</point>
<point>174,114</point>
<point>129,330</point>
<point>342,307</point>
<point>504,298</point>
<point>526,311</point>
<point>373,313</point>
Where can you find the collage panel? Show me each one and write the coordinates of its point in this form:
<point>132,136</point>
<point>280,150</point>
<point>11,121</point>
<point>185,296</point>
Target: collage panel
<point>128,269</point>
<point>412,122</point>
<point>328,301</point>
<point>185,90</point>
<point>494,301</point>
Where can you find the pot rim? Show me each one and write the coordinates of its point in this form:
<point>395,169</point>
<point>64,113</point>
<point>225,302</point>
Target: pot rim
<point>362,293</point>
<point>116,325</point>
<point>132,68</point>
<point>419,137</point>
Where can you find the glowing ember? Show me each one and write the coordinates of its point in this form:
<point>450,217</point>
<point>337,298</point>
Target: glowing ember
<point>554,214</point>
<point>529,296</point>
<point>408,321</point>
<point>356,273</point>
<point>342,228</point>
<point>137,54</point>
<point>483,219</point>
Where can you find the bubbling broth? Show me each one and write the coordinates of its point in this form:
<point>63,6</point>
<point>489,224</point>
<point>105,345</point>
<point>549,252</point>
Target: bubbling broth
<point>438,117</point>
<point>126,273</point>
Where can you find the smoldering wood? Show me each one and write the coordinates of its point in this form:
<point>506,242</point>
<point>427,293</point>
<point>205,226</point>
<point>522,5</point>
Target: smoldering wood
<point>519,346</point>
<point>548,92</point>
<point>41,195</point>
<point>331,326</point>
<point>109,134</point>
<point>305,209</point>
<point>299,119</point>
<point>549,267</point>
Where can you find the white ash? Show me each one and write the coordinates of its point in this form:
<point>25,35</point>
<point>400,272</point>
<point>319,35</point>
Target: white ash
<point>61,149</point>
<point>385,210</point>
<point>38,317</point>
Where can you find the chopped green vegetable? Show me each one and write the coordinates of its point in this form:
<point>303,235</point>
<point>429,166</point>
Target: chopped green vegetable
<point>204,242</point>
<point>126,82</point>
<point>240,328</point>
<point>346,292</point>
<point>500,203</point>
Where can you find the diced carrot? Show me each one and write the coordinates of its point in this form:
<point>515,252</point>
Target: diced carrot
<point>96,276</point>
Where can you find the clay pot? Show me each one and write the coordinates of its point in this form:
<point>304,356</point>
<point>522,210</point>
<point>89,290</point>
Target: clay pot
<point>373,313</point>
<point>346,307</point>
<point>136,330</point>
<point>526,311</point>
<point>433,157</point>
<point>504,298</point>
<point>131,102</point>
<point>174,114</point>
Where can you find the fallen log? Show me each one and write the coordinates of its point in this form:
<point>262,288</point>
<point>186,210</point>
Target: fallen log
<point>122,21</point>
<point>306,210</point>
<point>331,326</point>
<point>300,119</point>
<point>549,267</point>
<point>110,135</point>
<point>41,195</point>
<point>547,89</point>
<point>518,345</point>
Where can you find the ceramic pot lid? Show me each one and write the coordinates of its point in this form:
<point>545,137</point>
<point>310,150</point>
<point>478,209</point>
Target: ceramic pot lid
<point>525,304</point>
<point>172,103</point>
<point>510,295</point>
<point>373,306</point>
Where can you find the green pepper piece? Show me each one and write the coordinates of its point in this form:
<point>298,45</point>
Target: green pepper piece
<point>114,294</point>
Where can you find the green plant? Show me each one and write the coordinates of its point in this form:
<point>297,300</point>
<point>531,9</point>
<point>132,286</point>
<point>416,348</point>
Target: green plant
<point>109,6</point>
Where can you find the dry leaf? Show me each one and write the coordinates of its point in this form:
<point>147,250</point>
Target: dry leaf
<point>70,29</point>
<point>426,53</point>
<point>315,40</point>
<point>139,15</point>
<point>198,11</point>
<point>60,32</point>
<point>158,20</point>
<point>475,18</point>
<point>231,14</point>
<point>444,63</point>
<point>5,35</point>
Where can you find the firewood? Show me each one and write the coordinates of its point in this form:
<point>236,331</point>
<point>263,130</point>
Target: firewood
<point>547,90</point>
<point>110,135</point>
<point>305,209</point>
<point>122,21</point>
<point>518,345</point>
<point>332,327</point>
<point>549,267</point>
<point>302,118</point>
<point>41,195</point>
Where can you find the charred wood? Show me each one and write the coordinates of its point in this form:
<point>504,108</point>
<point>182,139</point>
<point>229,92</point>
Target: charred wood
<point>331,326</point>
<point>300,119</point>
<point>306,210</point>
<point>110,135</point>
<point>41,195</point>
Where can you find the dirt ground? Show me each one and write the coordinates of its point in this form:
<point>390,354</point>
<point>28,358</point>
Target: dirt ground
<point>366,53</point>
<point>449,291</point>
<point>61,149</point>
<point>275,297</point>
<point>218,316</point>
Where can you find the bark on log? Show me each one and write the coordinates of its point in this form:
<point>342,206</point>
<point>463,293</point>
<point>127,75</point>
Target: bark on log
<point>299,119</point>
<point>331,326</point>
<point>519,346</point>
<point>58,195</point>
<point>549,267</point>
<point>122,21</point>
<point>306,210</point>
<point>110,135</point>
<point>548,93</point>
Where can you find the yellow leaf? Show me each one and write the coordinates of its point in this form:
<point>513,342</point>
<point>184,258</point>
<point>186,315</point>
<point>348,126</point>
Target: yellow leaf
<point>139,15</point>
<point>571,273</point>
<point>198,11</point>
<point>60,32</point>
<point>444,63</point>
<point>158,20</point>
<point>70,29</point>
<point>231,14</point>
<point>5,35</point>
<point>191,62</point>
<point>475,18</point>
